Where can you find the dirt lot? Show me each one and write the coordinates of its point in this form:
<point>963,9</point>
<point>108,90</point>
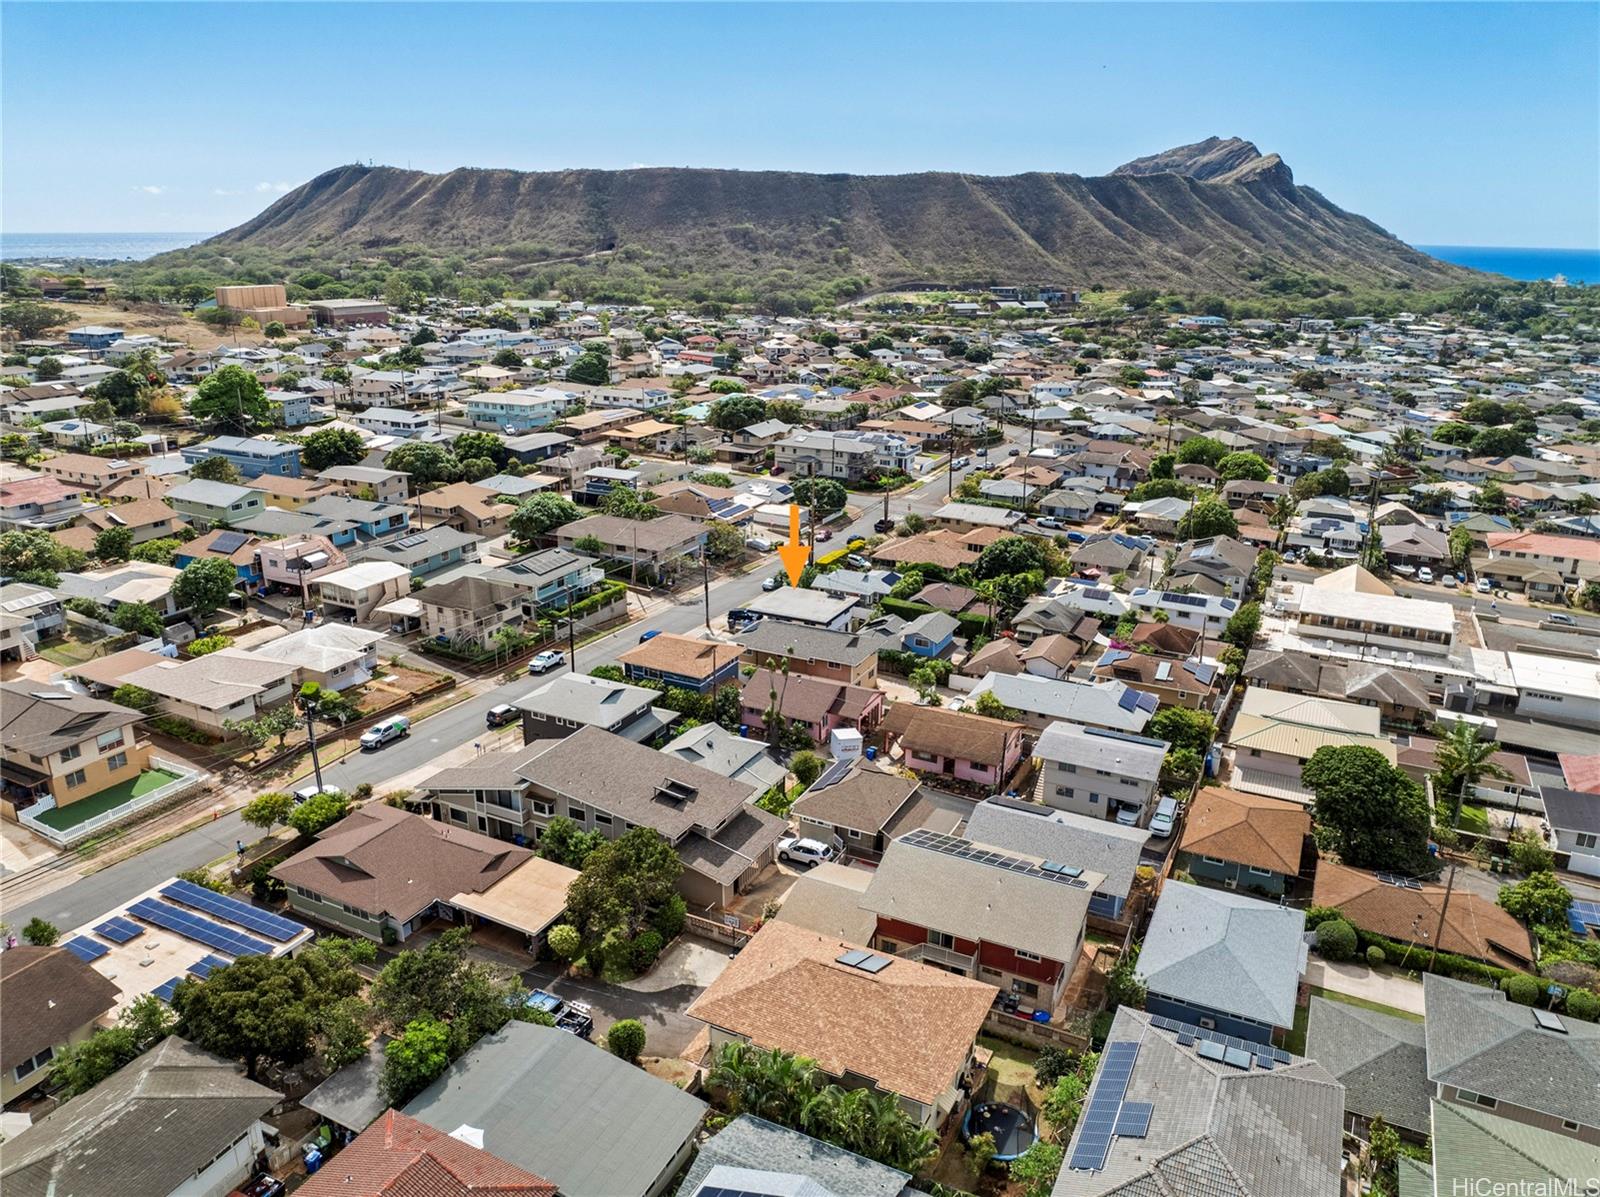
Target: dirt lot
<point>172,323</point>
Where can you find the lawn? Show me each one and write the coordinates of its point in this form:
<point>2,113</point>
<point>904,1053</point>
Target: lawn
<point>70,650</point>
<point>1295,1043</point>
<point>1474,819</point>
<point>64,818</point>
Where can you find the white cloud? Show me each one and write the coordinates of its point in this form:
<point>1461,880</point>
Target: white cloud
<point>278,187</point>
<point>151,189</point>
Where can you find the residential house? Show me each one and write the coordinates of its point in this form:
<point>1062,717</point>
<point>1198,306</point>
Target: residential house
<point>1039,701</point>
<point>930,635</point>
<point>1380,1059</point>
<point>1014,921</point>
<point>468,612</point>
<point>1275,734</point>
<point>1412,546</point>
<point>1399,696</point>
<point>817,704</point>
<point>964,747</point>
<point>1101,847</point>
<point>382,872</point>
<point>1186,683</point>
<point>40,501</point>
<point>656,546</point>
<point>60,748</point>
<point>468,508</point>
<point>813,608</point>
<point>562,705</point>
<point>372,520</point>
<point>28,614</point>
<point>1063,612</point>
<point>50,1000</point>
<point>752,1154</point>
<point>1108,554</point>
<point>1368,614</point>
<point>96,474</point>
<point>1048,656</point>
<point>1243,841</point>
<point>1470,1144</point>
<point>1409,912</point>
<point>819,652</point>
<point>1574,819</point>
<point>372,483</point>
<point>294,564</point>
<point>974,517</point>
<point>948,548</point>
<point>223,688</point>
<point>423,553</point>
<point>1217,565</point>
<point>1098,773</point>
<point>1542,564</point>
<point>178,1121</point>
<point>1223,962</point>
<point>859,807</point>
<point>550,580</point>
<point>290,493</point>
<point>749,445</point>
<point>237,548</point>
<point>683,662</point>
<point>1490,1054</point>
<point>397,1154</point>
<point>740,758</point>
<point>546,1101</point>
<point>252,456</point>
<point>516,412</point>
<point>1208,614</point>
<point>353,594</point>
<point>205,504</point>
<point>848,1009</point>
<point>333,655</point>
<point>1246,1126</point>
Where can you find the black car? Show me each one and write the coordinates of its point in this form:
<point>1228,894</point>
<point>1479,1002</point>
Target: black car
<point>501,715</point>
<point>884,525</point>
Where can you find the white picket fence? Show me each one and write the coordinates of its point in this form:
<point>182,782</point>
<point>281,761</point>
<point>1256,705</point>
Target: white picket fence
<point>188,780</point>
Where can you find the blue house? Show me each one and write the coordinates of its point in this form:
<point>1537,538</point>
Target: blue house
<point>238,547</point>
<point>252,456</point>
<point>94,336</point>
<point>424,553</point>
<point>929,635</point>
<point>290,409</point>
<point>371,520</point>
<point>1225,962</point>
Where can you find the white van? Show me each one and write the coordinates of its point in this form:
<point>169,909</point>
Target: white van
<point>1166,816</point>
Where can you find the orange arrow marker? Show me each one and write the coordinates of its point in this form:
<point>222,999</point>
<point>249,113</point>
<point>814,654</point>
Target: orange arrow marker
<point>794,553</point>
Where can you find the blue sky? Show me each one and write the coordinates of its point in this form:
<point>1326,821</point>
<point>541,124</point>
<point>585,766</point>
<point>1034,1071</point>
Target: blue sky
<point>1474,124</point>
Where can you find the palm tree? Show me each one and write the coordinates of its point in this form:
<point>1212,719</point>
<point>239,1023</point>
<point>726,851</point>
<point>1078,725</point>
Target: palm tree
<point>1460,761</point>
<point>1408,441</point>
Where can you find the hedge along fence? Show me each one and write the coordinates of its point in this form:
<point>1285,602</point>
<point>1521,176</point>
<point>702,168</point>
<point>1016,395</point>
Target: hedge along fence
<point>970,624</point>
<point>838,555</point>
<point>1417,956</point>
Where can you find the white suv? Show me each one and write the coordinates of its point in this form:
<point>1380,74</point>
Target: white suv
<point>794,850</point>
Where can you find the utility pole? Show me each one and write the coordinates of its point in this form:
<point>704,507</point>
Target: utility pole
<point>705,580</point>
<point>572,635</point>
<point>1443,909</point>
<point>311,737</point>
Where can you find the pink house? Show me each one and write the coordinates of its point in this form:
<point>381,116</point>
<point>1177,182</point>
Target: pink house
<point>957,744</point>
<point>819,704</point>
<point>295,562</point>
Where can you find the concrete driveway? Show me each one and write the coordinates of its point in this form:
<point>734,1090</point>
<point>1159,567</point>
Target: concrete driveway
<point>1357,980</point>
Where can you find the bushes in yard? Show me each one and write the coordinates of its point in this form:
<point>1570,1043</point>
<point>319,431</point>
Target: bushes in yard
<point>564,941</point>
<point>1375,956</point>
<point>905,664</point>
<point>1521,988</point>
<point>1336,939</point>
<point>1584,1004</point>
<point>626,1039</point>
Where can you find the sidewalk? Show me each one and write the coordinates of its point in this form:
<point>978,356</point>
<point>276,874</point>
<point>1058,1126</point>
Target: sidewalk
<point>1357,980</point>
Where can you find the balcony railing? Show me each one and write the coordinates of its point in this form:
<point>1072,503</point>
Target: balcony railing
<point>930,953</point>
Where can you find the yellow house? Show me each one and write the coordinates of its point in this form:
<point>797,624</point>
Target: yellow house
<point>64,747</point>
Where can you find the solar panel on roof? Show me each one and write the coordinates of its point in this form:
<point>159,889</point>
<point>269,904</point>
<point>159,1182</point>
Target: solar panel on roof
<point>1235,1057</point>
<point>119,930</point>
<point>1185,1039</point>
<point>410,542</point>
<point>166,989</point>
<point>232,910</point>
<point>1133,1119</point>
<point>852,958</point>
<point>1266,1063</point>
<point>1128,699</point>
<point>874,964</point>
<point>1549,1021</point>
<point>1209,1050</point>
<point>85,949</point>
<point>1098,1123</point>
<point>229,542</point>
<point>207,965</point>
<point>202,930</point>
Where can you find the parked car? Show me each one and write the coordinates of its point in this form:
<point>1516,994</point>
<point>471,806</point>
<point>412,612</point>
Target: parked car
<point>759,543</point>
<point>772,583</point>
<point>501,715</point>
<point>1049,521</point>
<point>857,561</point>
<point>1076,538</point>
<point>545,1003</point>
<point>1484,587</point>
<point>546,661</point>
<point>794,850</point>
<point>385,732</point>
<point>961,463</point>
<point>824,535</point>
<point>1161,823</point>
<point>650,635</point>
<point>1424,574</point>
<point>982,453</point>
<point>883,525</point>
<point>1128,816</point>
<point>312,790</point>
<point>1014,452</point>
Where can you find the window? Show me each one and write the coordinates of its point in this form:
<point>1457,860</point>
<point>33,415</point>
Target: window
<point>1212,860</point>
<point>1255,872</point>
<point>942,939</point>
<point>1568,1125</point>
<point>602,819</point>
<point>1587,839</point>
<point>1255,752</point>
<point>1064,792</point>
<point>117,761</point>
<point>1094,799</point>
<point>70,753</point>
<point>853,833</point>
<point>1021,955</point>
<point>31,1066</point>
<point>75,779</point>
<point>109,739</point>
<point>1477,1099</point>
<point>541,806</point>
<point>1025,988</point>
<point>576,813</point>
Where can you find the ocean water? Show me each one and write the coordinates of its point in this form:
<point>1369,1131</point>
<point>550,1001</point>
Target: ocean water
<point>60,247</point>
<point>1577,265</point>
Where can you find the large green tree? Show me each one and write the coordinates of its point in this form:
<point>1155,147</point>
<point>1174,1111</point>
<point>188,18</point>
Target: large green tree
<point>481,444</point>
<point>30,320</point>
<point>1201,450</point>
<point>1008,555</point>
<point>1371,813</point>
<point>822,494</point>
<point>1208,516</point>
<point>204,585</point>
<point>79,1067</point>
<point>33,555</point>
<point>736,412</point>
<point>622,882</point>
<point>328,447</point>
<point>1250,467</point>
<point>590,368</point>
<point>232,400</point>
<point>541,515</point>
<point>427,463</point>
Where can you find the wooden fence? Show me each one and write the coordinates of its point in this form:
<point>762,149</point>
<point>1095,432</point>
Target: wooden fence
<point>706,928</point>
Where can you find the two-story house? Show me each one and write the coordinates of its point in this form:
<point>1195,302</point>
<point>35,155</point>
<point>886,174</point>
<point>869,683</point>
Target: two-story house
<point>205,504</point>
<point>352,594</point>
<point>40,501</point>
<point>250,455</point>
<point>819,705</point>
<point>60,748</point>
<point>467,507</point>
<point>820,652</point>
<point>370,519</point>
<point>1099,773</point>
<point>564,704</point>
<point>468,612</point>
<point>516,412</point>
<point>296,562</point>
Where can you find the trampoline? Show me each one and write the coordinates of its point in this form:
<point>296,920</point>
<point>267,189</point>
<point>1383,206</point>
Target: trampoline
<point>1011,1127</point>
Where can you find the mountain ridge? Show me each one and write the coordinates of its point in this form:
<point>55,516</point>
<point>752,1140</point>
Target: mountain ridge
<point>1214,215</point>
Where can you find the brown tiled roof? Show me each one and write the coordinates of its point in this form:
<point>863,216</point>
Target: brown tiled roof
<point>1246,829</point>
<point>808,699</point>
<point>398,1156</point>
<point>934,731</point>
<point>682,655</point>
<point>909,1027</point>
<point>1167,638</point>
<point>80,537</point>
<point>143,487</point>
<point>866,799</point>
<point>998,656</point>
<point>1473,926</point>
<point>940,547</point>
<point>140,513</point>
<point>384,860</point>
<point>46,994</point>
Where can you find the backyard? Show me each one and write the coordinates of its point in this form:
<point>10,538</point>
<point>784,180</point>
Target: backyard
<point>64,818</point>
<point>1295,1042</point>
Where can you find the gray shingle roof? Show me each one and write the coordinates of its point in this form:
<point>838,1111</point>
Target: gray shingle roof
<point>1102,845</point>
<point>565,1109</point>
<point>1480,1042</point>
<point>1378,1058</point>
<point>1226,952</point>
<point>1216,1131</point>
<point>754,1143</point>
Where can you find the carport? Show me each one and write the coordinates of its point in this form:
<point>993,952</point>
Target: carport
<point>526,902</point>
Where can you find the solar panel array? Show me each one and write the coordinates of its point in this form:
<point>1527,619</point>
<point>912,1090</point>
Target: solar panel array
<point>229,542</point>
<point>85,949</point>
<point>950,845</point>
<point>1582,915</point>
<point>202,930</point>
<point>1133,1119</point>
<point>1398,881</point>
<point>232,910</point>
<point>410,542</point>
<point>1188,1035</point>
<point>867,962</point>
<point>1099,1121</point>
<point>119,930</point>
<point>204,967</point>
<point>836,772</point>
<point>166,989</point>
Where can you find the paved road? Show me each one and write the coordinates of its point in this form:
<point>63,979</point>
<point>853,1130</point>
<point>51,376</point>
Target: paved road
<point>92,896</point>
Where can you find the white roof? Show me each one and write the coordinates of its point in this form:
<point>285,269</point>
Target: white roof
<point>320,648</point>
<point>1579,677</point>
<point>1422,614</point>
<point>1117,753</point>
<point>363,574</point>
